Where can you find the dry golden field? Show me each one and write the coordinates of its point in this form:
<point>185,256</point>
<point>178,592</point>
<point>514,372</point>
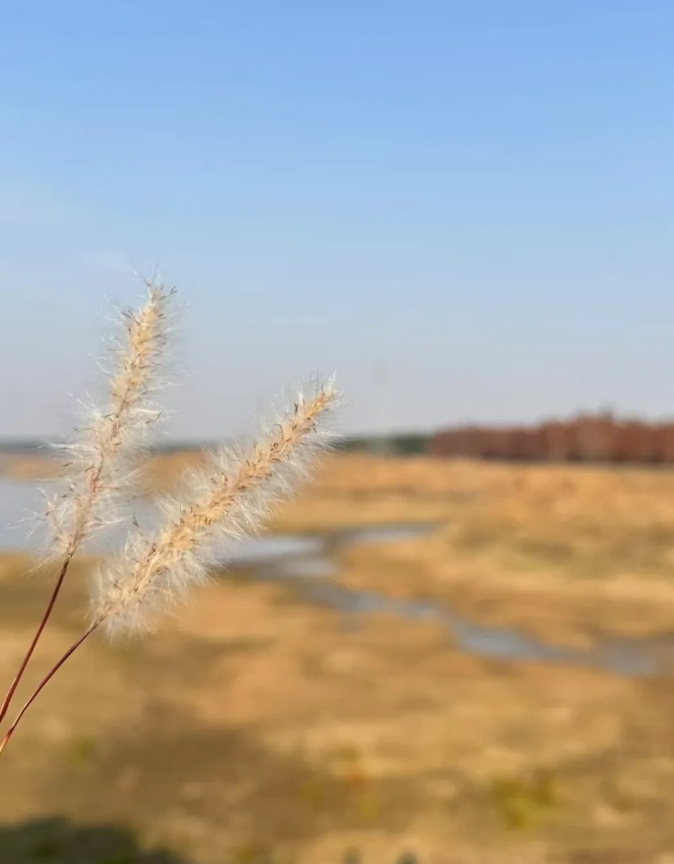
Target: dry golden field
<point>555,549</point>
<point>256,727</point>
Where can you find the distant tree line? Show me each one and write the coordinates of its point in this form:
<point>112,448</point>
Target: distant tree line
<point>395,445</point>
<point>586,438</point>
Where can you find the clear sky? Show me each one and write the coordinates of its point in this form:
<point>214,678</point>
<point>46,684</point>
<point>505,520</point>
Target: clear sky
<point>464,209</point>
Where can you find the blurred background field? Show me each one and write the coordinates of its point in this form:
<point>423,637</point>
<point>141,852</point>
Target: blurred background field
<point>494,686</point>
<point>456,645</point>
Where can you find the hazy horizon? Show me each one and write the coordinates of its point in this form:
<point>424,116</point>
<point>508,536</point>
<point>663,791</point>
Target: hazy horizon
<point>464,212</point>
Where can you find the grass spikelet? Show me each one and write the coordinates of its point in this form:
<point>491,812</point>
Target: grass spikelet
<point>227,500</point>
<point>102,457</point>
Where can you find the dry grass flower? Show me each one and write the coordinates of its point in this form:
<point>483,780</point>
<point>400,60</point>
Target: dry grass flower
<point>102,456</point>
<point>102,453</point>
<point>228,499</point>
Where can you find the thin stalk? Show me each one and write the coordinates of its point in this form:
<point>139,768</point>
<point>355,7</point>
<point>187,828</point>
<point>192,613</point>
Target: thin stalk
<point>43,623</point>
<point>43,684</point>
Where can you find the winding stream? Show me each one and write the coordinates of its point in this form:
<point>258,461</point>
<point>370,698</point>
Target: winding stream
<point>307,562</point>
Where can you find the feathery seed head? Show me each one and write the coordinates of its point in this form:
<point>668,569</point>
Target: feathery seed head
<point>101,457</point>
<point>226,501</point>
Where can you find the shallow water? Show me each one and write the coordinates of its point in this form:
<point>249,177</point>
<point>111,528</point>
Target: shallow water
<point>307,561</point>
<point>18,504</point>
<point>312,574</point>
<point>22,503</point>
<point>623,656</point>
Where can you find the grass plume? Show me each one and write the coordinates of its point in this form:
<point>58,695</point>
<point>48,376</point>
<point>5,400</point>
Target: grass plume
<point>228,499</point>
<point>101,456</point>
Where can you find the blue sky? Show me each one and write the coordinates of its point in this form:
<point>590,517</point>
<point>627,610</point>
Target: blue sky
<point>462,209</point>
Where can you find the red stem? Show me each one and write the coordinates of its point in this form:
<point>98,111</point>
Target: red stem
<point>43,623</point>
<point>44,683</point>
